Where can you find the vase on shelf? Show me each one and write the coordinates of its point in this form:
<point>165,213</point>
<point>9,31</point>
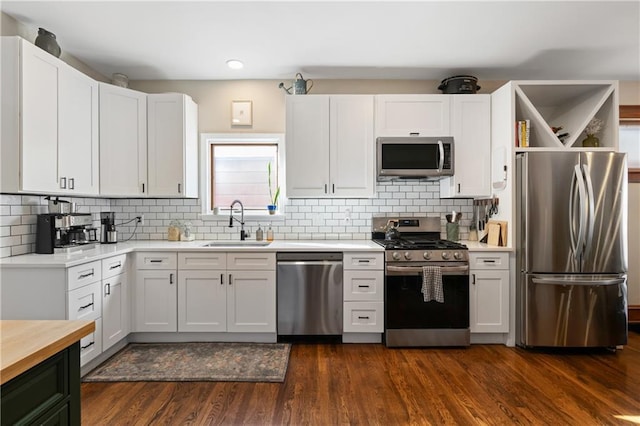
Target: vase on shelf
<point>591,142</point>
<point>47,42</point>
<point>272,209</point>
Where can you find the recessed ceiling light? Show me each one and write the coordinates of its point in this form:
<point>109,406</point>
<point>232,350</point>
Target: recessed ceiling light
<point>234,64</point>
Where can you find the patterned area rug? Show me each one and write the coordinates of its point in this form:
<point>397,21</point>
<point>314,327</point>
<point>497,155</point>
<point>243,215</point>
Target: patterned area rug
<point>195,362</point>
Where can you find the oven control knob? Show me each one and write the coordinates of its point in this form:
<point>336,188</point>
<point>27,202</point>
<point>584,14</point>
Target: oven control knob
<point>396,255</point>
<point>456,255</point>
<point>445,255</point>
<point>427,255</point>
<point>407,255</point>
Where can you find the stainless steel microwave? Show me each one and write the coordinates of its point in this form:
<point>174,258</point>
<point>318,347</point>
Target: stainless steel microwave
<point>414,157</point>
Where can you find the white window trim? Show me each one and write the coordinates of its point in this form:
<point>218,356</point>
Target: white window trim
<point>208,139</point>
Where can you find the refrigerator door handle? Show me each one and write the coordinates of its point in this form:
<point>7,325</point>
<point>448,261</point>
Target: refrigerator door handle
<point>590,210</point>
<point>560,281</point>
<point>577,244</point>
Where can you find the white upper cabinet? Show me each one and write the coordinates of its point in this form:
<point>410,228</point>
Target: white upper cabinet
<point>413,115</point>
<point>172,123</point>
<point>49,123</point>
<point>78,132</point>
<point>471,130</point>
<point>123,141</point>
<point>307,146</point>
<point>330,146</point>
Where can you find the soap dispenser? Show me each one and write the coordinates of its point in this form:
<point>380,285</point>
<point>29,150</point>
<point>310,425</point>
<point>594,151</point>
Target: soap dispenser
<point>269,234</point>
<point>259,233</point>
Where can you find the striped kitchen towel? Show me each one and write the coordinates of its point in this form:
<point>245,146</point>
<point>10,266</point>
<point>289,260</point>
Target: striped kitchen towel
<point>432,284</point>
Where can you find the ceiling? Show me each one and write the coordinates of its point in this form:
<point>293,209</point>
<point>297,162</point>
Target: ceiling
<point>503,40</point>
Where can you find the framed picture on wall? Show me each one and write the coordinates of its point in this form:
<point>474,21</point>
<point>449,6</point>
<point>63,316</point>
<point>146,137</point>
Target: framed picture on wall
<point>241,114</point>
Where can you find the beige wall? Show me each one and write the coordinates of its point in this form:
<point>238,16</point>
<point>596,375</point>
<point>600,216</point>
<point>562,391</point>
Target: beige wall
<point>214,97</point>
<point>11,27</point>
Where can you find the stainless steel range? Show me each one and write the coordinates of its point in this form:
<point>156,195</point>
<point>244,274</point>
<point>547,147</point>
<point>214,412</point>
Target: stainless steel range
<point>411,244</point>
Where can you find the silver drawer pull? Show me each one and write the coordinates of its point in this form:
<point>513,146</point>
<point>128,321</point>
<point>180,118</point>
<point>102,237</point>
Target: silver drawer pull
<point>155,261</point>
<point>363,317</point>
<point>87,345</point>
<point>362,286</point>
<point>85,306</point>
<point>90,274</point>
<point>363,260</point>
<point>489,261</point>
<point>116,266</point>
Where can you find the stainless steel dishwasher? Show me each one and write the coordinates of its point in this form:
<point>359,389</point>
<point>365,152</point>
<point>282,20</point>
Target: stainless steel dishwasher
<point>309,287</point>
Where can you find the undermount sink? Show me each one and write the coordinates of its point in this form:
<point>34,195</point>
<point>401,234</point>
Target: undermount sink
<point>237,244</point>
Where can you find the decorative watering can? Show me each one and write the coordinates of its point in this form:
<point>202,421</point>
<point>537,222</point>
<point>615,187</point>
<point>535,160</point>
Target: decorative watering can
<point>299,86</point>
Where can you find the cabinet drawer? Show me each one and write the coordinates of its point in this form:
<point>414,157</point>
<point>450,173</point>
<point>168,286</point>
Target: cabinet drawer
<point>156,260</point>
<point>211,260</point>
<point>363,285</point>
<point>80,275</point>
<point>113,266</point>
<point>85,303</point>
<point>364,261</point>
<point>91,344</point>
<point>488,260</point>
<point>247,261</point>
<point>363,317</point>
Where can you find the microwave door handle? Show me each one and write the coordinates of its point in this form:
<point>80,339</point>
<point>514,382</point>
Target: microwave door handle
<point>441,151</point>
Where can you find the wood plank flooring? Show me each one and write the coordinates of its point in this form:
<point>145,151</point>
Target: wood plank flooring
<point>328,384</point>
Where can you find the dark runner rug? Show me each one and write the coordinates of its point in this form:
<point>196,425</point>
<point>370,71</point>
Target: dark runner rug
<point>195,362</point>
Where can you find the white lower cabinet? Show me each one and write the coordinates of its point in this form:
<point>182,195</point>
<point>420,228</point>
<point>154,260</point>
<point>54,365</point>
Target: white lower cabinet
<point>206,292</point>
<point>489,292</point>
<point>115,301</point>
<point>363,288</point>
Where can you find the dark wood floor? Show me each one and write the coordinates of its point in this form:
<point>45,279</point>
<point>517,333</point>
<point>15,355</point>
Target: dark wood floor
<point>332,384</point>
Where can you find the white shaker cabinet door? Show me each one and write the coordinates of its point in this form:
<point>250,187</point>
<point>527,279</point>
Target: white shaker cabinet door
<point>413,115</point>
<point>471,128</point>
<point>123,141</point>
<point>115,310</point>
<point>172,124</point>
<point>39,119</point>
<point>251,301</point>
<point>156,300</point>
<point>78,133</point>
<point>351,146</point>
<point>489,301</point>
<point>307,145</point>
<point>202,300</point>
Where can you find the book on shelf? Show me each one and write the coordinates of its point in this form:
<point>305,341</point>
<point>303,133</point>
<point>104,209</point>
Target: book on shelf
<point>523,132</point>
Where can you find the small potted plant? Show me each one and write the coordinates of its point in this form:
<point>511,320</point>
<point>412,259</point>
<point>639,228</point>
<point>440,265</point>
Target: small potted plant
<point>592,129</point>
<point>273,198</point>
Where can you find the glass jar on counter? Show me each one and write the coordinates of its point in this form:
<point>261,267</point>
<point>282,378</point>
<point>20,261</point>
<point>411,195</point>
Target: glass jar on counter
<point>174,230</point>
<point>187,232</point>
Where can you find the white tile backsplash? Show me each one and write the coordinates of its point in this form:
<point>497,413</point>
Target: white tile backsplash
<point>303,218</point>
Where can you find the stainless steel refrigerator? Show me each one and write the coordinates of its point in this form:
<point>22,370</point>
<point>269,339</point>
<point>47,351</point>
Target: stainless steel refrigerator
<point>571,228</point>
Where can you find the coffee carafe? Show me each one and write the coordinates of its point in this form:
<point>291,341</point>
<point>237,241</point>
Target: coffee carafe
<point>109,233</point>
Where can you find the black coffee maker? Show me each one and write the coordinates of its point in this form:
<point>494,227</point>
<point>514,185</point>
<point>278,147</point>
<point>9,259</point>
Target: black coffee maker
<point>109,233</point>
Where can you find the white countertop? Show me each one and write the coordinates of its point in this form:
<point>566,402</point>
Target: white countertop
<point>107,250</point>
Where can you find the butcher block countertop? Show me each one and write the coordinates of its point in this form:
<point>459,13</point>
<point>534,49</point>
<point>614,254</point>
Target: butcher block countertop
<point>26,344</point>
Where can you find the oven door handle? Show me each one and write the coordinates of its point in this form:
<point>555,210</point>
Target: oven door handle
<point>417,270</point>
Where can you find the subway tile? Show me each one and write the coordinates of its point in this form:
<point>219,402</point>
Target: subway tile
<point>10,199</point>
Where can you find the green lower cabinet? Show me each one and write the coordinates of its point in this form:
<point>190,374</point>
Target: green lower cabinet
<point>47,394</point>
